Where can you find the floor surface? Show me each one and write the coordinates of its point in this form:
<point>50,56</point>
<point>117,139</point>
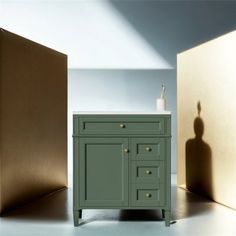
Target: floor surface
<point>52,215</point>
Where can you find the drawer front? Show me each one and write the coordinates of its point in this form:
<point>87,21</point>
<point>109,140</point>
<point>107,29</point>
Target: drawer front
<point>147,171</point>
<point>148,148</point>
<point>147,195</point>
<point>119,125</point>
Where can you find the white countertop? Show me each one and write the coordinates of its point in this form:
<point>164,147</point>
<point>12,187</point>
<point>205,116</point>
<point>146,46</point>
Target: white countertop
<point>121,112</point>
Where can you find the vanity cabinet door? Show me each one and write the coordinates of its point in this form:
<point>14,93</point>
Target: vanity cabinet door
<point>103,166</point>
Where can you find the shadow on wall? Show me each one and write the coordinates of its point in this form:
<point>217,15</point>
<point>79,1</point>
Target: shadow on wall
<point>199,161</point>
<point>174,26</point>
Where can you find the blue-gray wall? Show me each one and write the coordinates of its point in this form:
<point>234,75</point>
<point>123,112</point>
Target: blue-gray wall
<point>172,26</point>
<point>169,27</point>
<point>122,90</point>
<point>133,42</point>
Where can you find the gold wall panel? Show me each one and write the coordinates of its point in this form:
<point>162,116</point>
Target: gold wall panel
<point>206,107</point>
<point>33,120</point>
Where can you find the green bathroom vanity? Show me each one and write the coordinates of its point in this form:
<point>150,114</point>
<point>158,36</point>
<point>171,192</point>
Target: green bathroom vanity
<point>122,161</point>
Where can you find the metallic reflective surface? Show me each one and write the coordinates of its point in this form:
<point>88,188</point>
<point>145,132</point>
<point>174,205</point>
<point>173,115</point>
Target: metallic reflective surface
<point>52,215</point>
<point>33,120</point>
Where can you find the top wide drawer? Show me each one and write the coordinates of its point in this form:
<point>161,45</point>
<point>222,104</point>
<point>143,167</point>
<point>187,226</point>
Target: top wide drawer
<point>123,125</point>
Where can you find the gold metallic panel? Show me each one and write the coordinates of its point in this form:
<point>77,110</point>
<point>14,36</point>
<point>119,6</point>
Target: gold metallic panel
<point>206,90</point>
<point>33,120</point>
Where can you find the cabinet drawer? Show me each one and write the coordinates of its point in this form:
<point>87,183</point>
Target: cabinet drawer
<point>147,171</point>
<point>147,194</point>
<point>148,148</point>
<point>121,125</point>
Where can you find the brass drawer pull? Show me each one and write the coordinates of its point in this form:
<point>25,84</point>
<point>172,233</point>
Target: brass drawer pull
<point>122,125</point>
<point>126,150</point>
<point>148,172</point>
<point>148,195</point>
<point>148,149</point>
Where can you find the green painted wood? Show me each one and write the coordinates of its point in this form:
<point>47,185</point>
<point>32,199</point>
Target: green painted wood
<point>168,174</point>
<point>147,172</point>
<point>167,218</point>
<point>75,173</point>
<point>147,194</point>
<point>106,177</point>
<point>148,149</point>
<point>103,172</point>
<point>76,217</point>
<point>121,125</point>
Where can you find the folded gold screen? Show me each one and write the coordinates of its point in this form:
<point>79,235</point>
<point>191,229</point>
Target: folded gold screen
<point>33,120</point>
<point>206,91</point>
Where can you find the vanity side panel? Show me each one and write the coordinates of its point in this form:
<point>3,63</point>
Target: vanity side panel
<point>0,120</point>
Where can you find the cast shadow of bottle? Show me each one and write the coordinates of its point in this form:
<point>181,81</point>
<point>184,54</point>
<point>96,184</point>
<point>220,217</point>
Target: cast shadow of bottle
<point>199,161</point>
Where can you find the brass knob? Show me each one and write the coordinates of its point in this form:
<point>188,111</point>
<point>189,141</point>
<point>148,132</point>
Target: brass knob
<point>126,150</point>
<point>148,149</point>
<point>148,172</point>
<point>148,195</point>
<point>122,125</point>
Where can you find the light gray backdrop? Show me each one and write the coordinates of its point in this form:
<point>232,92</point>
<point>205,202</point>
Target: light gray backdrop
<point>119,51</point>
<point>169,27</point>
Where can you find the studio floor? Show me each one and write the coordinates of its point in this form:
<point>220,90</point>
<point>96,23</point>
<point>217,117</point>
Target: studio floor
<point>52,215</point>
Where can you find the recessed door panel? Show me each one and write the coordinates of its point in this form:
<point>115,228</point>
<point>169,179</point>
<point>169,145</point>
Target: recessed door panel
<point>103,172</point>
<point>148,149</point>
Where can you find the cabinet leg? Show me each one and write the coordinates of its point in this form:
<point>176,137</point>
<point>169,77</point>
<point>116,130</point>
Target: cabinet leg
<point>167,218</point>
<point>80,214</point>
<point>76,217</point>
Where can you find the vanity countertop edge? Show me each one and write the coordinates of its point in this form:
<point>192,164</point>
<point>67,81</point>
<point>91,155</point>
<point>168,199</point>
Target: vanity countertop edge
<point>121,113</point>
